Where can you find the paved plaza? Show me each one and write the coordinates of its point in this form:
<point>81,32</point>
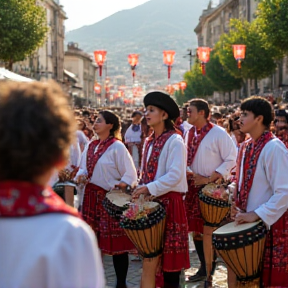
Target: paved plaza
<point>134,273</point>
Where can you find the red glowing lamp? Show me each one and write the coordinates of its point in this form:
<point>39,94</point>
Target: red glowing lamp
<point>100,58</point>
<point>97,88</point>
<point>133,61</point>
<point>176,86</point>
<point>183,85</point>
<point>239,53</point>
<point>204,56</point>
<point>168,58</point>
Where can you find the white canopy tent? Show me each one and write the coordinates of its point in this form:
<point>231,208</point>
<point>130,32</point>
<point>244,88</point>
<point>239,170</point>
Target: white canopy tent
<point>6,74</point>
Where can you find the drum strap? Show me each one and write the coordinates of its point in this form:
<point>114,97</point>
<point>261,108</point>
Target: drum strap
<point>23,199</point>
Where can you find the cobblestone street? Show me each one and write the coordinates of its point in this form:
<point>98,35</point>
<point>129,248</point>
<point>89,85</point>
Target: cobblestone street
<point>134,273</point>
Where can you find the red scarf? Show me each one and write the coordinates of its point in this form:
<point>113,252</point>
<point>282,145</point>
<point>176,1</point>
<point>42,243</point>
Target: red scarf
<point>92,157</point>
<point>194,140</point>
<point>23,199</point>
<point>150,166</point>
<point>251,151</point>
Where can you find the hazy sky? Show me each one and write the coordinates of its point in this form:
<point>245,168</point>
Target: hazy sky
<point>86,12</point>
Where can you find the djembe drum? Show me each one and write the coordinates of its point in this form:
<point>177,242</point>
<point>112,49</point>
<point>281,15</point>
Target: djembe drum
<point>242,249</point>
<point>147,232</point>
<point>213,211</point>
<point>116,202</point>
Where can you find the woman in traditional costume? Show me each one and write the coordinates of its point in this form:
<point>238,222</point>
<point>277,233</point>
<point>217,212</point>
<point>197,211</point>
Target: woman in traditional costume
<point>164,177</point>
<point>106,164</point>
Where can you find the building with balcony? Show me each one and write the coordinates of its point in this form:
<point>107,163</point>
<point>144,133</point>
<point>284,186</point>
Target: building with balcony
<point>47,62</point>
<point>83,66</point>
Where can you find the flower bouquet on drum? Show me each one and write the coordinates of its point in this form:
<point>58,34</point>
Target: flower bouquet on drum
<point>144,224</point>
<point>214,203</point>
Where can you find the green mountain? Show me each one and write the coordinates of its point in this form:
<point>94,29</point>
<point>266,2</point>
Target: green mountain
<point>147,29</point>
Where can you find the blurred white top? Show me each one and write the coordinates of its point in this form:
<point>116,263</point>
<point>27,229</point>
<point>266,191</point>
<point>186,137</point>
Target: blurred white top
<point>133,136</point>
<point>49,251</point>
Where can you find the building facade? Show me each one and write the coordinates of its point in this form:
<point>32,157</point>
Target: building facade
<point>214,21</point>
<point>47,62</point>
<point>82,65</point>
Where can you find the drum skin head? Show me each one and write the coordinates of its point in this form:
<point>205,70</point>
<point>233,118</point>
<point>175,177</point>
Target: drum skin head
<point>232,228</point>
<point>118,198</point>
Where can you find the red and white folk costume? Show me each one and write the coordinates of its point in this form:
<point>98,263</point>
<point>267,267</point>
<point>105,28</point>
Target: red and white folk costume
<point>164,174</point>
<point>106,164</point>
<point>263,188</point>
<point>210,149</point>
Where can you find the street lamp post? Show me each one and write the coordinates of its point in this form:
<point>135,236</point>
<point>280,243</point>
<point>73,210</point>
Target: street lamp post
<point>239,53</point>
<point>168,58</point>
<point>97,90</point>
<point>183,86</point>
<point>204,57</point>
<point>100,58</point>
<point>133,61</point>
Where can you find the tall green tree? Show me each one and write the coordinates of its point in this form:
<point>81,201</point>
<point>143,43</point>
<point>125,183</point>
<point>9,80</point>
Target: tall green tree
<point>182,97</point>
<point>23,27</point>
<point>272,20</point>
<point>198,85</point>
<point>260,59</point>
<point>220,77</point>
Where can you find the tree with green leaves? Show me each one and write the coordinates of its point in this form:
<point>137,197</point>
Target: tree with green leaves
<point>185,95</point>
<point>220,77</point>
<point>23,28</point>
<point>272,20</point>
<point>198,85</point>
<point>260,59</point>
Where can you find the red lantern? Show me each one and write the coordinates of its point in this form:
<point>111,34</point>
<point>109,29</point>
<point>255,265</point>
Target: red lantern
<point>183,85</point>
<point>100,58</point>
<point>97,88</point>
<point>133,61</point>
<point>168,58</point>
<point>239,53</point>
<point>204,56</point>
<point>176,86</point>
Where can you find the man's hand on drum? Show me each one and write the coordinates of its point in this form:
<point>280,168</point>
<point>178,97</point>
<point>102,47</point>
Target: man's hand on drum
<point>234,210</point>
<point>121,186</point>
<point>248,217</point>
<point>143,190</point>
<point>200,180</point>
<point>82,179</point>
